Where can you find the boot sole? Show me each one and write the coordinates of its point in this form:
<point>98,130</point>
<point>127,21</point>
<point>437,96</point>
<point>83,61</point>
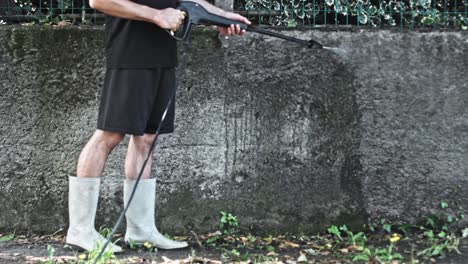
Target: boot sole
<point>79,249</point>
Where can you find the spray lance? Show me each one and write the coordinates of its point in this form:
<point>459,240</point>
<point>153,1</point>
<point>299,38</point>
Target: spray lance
<point>195,14</point>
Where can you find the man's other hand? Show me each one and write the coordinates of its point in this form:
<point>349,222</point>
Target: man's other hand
<point>233,29</point>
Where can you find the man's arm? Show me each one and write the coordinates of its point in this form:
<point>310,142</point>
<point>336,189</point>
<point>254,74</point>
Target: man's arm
<point>209,7</point>
<point>168,18</point>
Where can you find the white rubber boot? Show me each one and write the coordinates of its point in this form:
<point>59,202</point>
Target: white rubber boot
<point>141,226</point>
<point>82,203</point>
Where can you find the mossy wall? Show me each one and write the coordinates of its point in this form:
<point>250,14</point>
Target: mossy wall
<point>286,138</point>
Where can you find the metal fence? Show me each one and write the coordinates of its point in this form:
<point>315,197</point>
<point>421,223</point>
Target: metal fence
<point>278,13</point>
<point>48,11</point>
<point>373,13</point>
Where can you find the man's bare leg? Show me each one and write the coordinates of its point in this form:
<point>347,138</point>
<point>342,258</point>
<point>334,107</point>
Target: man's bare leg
<point>84,191</point>
<point>141,225</point>
<point>94,155</point>
<point>137,152</point>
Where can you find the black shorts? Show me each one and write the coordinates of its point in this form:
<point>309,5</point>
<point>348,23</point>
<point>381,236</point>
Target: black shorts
<point>133,101</point>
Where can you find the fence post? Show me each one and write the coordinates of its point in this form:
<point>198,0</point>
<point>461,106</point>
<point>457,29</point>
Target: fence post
<point>227,5</point>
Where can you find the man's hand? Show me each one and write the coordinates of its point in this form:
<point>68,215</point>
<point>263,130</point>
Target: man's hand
<point>233,29</point>
<point>169,18</point>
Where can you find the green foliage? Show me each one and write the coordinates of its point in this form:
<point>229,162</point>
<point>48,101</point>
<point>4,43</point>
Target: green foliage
<point>357,239</point>
<point>380,254</point>
<point>132,244</point>
<point>441,246</point>
<point>447,13</point>
<point>335,231</point>
<point>105,231</point>
<point>107,257</point>
<point>7,238</point>
<point>168,236</point>
<point>228,223</point>
<point>50,254</point>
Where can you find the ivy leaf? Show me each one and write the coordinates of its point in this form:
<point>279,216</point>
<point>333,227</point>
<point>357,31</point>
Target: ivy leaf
<point>441,234</point>
<point>363,18</point>
<point>449,218</point>
<point>291,23</point>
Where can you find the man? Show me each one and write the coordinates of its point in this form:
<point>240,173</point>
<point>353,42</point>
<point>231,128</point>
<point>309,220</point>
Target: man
<point>139,82</point>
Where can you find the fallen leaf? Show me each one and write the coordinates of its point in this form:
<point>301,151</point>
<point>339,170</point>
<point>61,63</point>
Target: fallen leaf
<point>217,233</point>
<point>311,252</point>
<point>465,233</point>
<point>302,258</point>
<point>286,244</point>
<point>356,248</point>
<point>344,250</point>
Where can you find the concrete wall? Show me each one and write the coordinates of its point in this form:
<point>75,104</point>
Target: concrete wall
<point>286,138</point>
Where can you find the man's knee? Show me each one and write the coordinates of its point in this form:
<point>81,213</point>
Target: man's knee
<point>143,143</point>
<point>108,140</point>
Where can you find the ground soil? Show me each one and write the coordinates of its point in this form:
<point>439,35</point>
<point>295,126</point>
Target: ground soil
<point>33,249</point>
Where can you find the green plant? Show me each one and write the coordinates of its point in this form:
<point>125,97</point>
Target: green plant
<point>8,237</point>
<point>228,222</point>
<point>441,247</point>
<point>154,254</point>
<point>379,254</point>
<point>357,239</point>
<point>270,248</point>
<point>105,231</point>
<point>386,226</point>
<point>107,257</point>
<point>132,244</point>
<point>212,241</point>
<point>335,231</point>
<point>404,229</point>
<point>50,254</point>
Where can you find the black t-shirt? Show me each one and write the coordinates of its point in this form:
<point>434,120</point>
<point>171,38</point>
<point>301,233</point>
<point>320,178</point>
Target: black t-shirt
<point>139,44</point>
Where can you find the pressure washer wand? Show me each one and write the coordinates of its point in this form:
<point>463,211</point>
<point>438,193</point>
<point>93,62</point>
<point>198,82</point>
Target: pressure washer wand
<point>195,14</point>
<point>309,43</point>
